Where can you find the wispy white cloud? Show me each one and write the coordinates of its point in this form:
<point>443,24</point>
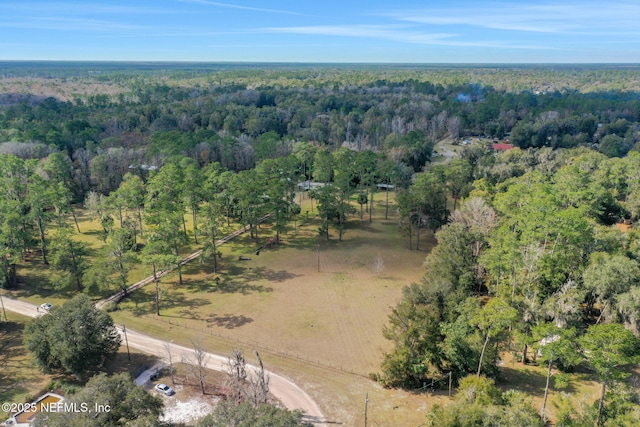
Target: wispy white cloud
<point>68,16</point>
<point>396,33</point>
<point>84,9</point>
<point>70,24</point>
<point>501,19</point>
<point>387,32</point>
<point>237,6</point>
<point>565,17</point>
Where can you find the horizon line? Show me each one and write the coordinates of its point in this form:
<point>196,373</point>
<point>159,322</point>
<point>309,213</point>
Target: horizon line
<point>177,61</point>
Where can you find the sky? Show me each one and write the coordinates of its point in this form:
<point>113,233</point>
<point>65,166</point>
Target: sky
<point>347,31</point>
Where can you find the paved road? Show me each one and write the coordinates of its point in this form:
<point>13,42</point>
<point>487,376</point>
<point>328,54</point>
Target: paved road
<point>292,396</point>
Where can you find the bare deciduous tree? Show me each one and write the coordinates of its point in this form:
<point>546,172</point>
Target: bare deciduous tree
<point>237,370</point>
<point>258,387</point>
<point>244,385</point>
<point>198,363</point>
<point>453,127</point>
<point>167,347</point>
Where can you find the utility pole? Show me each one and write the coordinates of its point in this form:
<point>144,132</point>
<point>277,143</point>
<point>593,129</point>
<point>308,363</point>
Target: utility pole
<point>155,279</point>
<point>124,329</point>
<point>450,381</point>
<point>366,407</point>
<point>4,313</point>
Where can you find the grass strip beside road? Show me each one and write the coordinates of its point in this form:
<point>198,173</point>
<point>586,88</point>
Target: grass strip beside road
<point>339,394</point>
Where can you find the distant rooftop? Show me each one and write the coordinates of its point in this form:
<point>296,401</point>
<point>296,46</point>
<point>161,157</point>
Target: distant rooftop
<point>503,146</point>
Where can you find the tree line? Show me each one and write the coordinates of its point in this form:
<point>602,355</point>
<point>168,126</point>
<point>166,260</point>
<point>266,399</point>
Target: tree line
<point>531,263</point>
<point>143,220</point>
<point>239,118</point>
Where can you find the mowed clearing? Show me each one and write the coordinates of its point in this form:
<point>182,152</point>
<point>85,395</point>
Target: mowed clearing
<point>328,323</point>
<point>279,299</point>
<point>323,330</point>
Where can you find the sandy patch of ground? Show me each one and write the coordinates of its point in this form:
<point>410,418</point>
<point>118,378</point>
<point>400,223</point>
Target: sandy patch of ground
<point>186,408</point>
<point>188,405</point>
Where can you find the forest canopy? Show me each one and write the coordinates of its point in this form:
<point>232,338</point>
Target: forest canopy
<point>141,116</point>
<point>528,260</point>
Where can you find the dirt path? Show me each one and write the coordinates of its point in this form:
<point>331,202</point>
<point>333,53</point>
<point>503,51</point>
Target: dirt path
<point>118,296</point>
<point>448,154</point>
<point>292,396</point>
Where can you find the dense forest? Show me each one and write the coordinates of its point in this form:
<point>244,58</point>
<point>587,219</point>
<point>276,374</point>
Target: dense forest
<point>529,259</point>
<point>107,122</point>
<point>551,278</point>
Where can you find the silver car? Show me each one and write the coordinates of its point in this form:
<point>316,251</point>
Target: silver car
<point>165,389</point>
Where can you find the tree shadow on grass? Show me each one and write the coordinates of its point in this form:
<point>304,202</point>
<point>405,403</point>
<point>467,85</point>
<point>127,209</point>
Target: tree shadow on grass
<point>16,368</point>
<point>197,266</point>
<point>33,284</point>
<point>528,381</point>
<point>251,274</point>
<point>187,306</point>
<point>144,303</point>
<point>236,285</point>
<point>241,280</point>
<point>228,321</point>
<point>11,334</point>
<point>94,232</point>
<point>200,285</point>
<point>226,285</point>
<point>270,275</point>
<point>301,243</point>
<point>364,225</point>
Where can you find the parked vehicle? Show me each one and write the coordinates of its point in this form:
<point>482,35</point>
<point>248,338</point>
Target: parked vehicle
<point>165,389</point>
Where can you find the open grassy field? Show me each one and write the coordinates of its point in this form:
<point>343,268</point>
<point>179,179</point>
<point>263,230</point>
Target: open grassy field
<point>314,326</point>
<point>322,328</point>
<point>280,299</point>
<point>314,308</point>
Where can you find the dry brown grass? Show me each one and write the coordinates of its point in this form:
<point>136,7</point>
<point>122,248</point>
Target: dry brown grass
<point>63,89</point>
<point>340,394</point>
<point>278,302</point>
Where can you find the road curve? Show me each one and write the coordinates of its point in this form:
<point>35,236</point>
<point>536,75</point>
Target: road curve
<point>292,396</point>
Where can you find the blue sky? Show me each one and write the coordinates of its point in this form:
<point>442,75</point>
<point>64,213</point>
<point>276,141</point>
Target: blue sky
<point>432,31</point>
